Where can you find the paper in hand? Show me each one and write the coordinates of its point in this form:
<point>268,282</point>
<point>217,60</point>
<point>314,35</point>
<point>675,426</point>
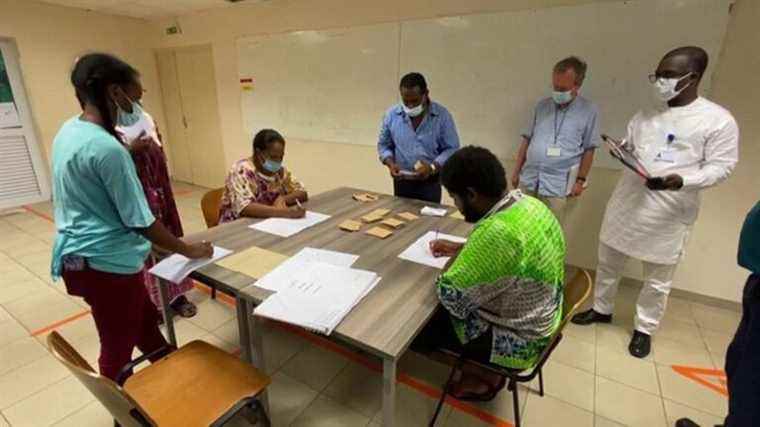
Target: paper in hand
<point>176,268</point>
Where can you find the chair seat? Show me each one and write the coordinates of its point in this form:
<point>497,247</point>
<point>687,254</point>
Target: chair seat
<point>194,385</point>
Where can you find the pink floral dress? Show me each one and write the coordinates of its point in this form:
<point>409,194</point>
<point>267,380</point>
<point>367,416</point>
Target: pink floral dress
<point>245,186</point>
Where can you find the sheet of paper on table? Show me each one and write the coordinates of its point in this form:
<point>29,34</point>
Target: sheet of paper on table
<point>274,279</point>
<point>318,296</point>
<point>286,227</point>
<point>420,253</point>
<point>254,262</point>
<point>429,211</point>
<point>176,268</point>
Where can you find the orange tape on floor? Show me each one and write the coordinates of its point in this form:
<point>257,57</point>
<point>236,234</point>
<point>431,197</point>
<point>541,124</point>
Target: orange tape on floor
<point>704,376</point>
<point>60,323</point>
<point>39,214</point>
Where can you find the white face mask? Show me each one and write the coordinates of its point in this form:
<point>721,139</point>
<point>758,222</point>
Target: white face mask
<point>413,112</point>
<point>562,98</point>
<point>665,89</point>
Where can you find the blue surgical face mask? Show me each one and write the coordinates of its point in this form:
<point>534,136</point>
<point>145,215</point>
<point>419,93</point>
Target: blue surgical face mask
<point>562,98</point>
<point>127,119</point>
<point>271,166</point>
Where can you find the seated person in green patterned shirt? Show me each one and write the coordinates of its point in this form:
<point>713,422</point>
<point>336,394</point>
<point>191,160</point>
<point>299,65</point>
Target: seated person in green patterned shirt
<point>501,292</point>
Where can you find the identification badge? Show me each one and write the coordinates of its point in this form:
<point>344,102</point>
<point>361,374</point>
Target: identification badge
<point>553,152</point>
<point>666,156</point>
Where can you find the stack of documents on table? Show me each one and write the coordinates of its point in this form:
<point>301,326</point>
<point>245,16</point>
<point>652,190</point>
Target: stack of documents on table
<point>313,292</point>
<point>286,227</point>
<point>431,211</point>
<point>176,267</point>
<point>420,253</point>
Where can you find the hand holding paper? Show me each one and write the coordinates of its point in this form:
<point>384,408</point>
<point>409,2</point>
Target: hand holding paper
<point>420,251</point>
<point>176,267</point>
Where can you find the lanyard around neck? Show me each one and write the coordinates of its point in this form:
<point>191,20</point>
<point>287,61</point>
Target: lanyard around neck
<point>557,129</point>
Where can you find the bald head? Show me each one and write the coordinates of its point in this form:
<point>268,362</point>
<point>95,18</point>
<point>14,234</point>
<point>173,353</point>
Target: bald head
<point>687,59</point>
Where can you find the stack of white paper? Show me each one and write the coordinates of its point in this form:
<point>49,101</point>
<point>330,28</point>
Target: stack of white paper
<point>431,211</point>
<point>176,267</point>
<point>286,227</point>
<point>275,279</point>
<point>420,253</point>
<point>317,295</point>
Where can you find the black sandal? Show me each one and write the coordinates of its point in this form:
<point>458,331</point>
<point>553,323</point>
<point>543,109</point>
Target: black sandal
<point>481,397</point>
<point>184,307</point>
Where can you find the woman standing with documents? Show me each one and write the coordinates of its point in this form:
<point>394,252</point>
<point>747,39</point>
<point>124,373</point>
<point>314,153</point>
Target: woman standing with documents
<point>144,143</point>
<point>686,146</point>
<point>103,222</point>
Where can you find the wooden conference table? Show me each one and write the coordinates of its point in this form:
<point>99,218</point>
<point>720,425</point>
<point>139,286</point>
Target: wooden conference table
<point>388,319</point>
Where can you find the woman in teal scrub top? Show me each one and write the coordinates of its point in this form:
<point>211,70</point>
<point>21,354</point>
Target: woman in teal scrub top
<point>104,225</point>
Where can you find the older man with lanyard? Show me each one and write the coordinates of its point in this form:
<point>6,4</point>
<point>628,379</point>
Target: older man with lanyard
<point>561,138</point>
<point>690,145</point>
<point>416,138</point>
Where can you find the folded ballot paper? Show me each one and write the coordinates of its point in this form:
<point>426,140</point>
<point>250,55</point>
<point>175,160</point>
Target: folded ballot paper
<point>315,295</point>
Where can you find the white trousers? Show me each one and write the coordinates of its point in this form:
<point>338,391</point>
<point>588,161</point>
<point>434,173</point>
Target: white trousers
<point>653,299</point>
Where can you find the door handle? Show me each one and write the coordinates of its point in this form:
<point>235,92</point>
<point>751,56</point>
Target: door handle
<point>184,121</point>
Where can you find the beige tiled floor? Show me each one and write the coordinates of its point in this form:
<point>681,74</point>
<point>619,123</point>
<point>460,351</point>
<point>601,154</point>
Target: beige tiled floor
<point>590,381</point>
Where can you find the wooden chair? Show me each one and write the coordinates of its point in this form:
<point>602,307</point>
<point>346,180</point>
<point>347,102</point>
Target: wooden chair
<point>197,385</point>
<point>210,204</point>
<point>576,292</point>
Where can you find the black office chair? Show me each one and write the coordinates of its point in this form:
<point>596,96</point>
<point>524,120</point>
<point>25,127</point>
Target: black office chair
<point>576,293</point>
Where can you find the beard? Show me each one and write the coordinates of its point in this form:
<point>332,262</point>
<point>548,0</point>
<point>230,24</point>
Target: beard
<point>470,214</point>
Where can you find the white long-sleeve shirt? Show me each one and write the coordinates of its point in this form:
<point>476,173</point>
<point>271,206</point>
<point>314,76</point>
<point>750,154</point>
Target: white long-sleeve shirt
<point>699,142</point>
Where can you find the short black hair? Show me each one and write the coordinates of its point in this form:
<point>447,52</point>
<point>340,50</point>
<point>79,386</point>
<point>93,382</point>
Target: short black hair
<point>576,64</point>
<point>476,168</point>
<point>698,58</point>
<point>265,137</point>
<point>413,80</point>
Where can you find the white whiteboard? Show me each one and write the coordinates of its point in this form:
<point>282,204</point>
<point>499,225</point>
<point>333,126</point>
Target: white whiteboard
<point>321,85</point>
<point>489,70</point>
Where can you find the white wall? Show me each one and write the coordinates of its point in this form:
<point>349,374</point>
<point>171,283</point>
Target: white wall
<point>710,267</point>
<point>49,38</point>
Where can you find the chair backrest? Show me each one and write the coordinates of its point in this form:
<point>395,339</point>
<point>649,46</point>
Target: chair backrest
<point>125,410</point>
<point>576,292</point>
<point>210,204</point>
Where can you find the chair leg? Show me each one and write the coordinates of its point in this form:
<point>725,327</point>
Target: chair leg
<point>444,392</point>
<point>541,382</point>
<point>263,416</point>
<point>515,402</point>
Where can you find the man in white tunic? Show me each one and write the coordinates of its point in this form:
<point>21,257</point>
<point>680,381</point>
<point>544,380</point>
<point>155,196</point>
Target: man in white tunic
<point>686,146</point>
